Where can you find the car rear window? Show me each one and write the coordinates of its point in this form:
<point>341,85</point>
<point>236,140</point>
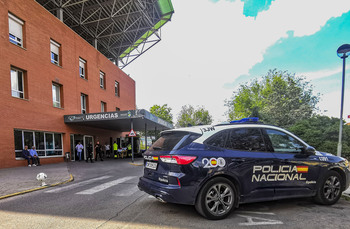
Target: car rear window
<point>174,140</point>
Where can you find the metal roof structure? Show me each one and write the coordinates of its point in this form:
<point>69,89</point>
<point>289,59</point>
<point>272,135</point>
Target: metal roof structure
<point>120,120</point>
<point>122,30</point>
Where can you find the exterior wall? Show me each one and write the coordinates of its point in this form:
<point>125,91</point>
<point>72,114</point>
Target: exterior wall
<point>36,112</point>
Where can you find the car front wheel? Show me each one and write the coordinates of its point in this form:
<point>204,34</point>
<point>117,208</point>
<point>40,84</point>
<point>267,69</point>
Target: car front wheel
<point>216,199</point>
<point>329,191</point>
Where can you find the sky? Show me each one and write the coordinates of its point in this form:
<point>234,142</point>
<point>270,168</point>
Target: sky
<point>210,47</point>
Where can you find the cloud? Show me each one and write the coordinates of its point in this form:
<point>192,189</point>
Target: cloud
<point>323,73</point>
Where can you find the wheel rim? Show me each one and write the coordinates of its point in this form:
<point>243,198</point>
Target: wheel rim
<point>331,188</point>
<point>219,199</point>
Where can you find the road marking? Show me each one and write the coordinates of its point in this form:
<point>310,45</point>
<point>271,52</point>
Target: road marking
<point>127,192</point>
<point>104,186</point>
<point>260,213</point>
<point>254,221</point>
<point>60,189</point>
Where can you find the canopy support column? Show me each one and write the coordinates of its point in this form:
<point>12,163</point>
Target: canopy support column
<point>132,143</point>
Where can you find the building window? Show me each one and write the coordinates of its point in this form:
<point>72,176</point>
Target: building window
<point>83,98</point>
<point>55,52</point>
<point>47,144</point>
<point>102,80</point>
<point>15,30</point>
<point>82,68</point>
<point>116,85</point>
<point>103,107</point>
<point>117,109</point>
<point>17,83</point>
<point>56,95</point>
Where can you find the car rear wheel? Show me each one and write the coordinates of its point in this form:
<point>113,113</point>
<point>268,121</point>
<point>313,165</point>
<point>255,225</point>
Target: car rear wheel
<point>329,191</point>
<point>216,199</point>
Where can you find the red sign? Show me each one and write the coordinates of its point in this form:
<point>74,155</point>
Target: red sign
<point>132,133</point>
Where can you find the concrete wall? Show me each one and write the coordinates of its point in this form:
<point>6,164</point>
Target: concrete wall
<point>36,112</point>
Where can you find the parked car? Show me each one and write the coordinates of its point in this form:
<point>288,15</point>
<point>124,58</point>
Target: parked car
<point>216,168</point>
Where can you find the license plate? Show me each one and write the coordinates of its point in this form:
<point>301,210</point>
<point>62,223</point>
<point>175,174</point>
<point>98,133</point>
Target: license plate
<point>151,165</point>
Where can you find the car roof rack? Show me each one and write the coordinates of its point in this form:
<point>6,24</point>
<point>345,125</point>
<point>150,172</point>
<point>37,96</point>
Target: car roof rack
<point>249,120</point>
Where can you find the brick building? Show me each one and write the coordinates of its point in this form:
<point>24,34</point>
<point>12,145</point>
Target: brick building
<point>48,71</point>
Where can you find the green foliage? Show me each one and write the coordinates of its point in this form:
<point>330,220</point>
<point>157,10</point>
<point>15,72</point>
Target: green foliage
<point>163,112</point>
<point>322,132</point>
<point>280,98</point>
<point>191,116</point>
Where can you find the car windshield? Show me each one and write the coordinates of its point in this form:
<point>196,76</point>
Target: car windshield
<point>173,140</point>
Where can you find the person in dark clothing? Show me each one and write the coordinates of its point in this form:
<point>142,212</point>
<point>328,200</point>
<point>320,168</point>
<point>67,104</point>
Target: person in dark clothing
<point>27,156</point>
<point>89,151</point>
<point>98,149</point>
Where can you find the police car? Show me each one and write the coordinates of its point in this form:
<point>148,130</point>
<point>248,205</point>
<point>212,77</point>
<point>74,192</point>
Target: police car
<point>216,168</point>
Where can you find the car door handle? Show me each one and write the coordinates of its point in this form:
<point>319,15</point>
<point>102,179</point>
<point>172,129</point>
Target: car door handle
<point>238,160</point>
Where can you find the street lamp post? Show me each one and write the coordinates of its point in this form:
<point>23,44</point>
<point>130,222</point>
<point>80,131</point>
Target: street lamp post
<point>343,52</point>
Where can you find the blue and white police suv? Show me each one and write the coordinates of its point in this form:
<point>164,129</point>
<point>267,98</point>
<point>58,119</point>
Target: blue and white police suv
<point>216,168</point>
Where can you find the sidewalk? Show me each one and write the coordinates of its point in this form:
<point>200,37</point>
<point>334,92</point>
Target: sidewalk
<point>21,180</point>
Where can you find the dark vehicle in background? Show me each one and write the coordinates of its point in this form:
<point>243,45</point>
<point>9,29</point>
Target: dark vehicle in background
<point>216,168</point>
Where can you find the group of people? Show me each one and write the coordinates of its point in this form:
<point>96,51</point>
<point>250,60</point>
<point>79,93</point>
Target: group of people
<point>117,152</point>
<point>89,151</point>
<point>31,156</point>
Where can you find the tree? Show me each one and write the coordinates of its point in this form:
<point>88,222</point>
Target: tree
<point>163,112</point>
<point>322,132</point>
<point>191,116</point>
<point>280,98</point>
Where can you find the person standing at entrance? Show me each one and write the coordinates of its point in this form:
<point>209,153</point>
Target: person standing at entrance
<point>79,148</point>
<point>98,149</point>
<point>89,152</point>
<point>115,149</point>
<point>108,150</point>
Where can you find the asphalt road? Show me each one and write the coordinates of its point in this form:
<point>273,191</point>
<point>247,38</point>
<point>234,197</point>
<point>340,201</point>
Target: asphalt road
<point>104,195</point>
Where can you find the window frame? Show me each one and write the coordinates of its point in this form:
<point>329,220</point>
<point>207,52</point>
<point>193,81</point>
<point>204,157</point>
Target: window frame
<point>117,88</point>
<point>271,147</point>
<point>102,80</point>
<point>17,90</point>
<point>82,62</point>
<point>58,46</point>
<point>83,101</point>
<point>41,152</point>
<point>103,106</point>
<point>262,139</point>
<point>58,89</point>
<point>224,131</point>
<point>18,41</point>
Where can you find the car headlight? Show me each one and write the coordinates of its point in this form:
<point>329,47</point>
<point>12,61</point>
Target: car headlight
<point>345,163</point>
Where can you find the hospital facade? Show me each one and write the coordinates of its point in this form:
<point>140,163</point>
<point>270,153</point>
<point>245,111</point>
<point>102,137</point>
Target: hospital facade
<point>48,71</point>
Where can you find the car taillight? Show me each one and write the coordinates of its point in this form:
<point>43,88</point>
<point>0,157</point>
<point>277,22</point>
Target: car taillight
<point>180,160</point>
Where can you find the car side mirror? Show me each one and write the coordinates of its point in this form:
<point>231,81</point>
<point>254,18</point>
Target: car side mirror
<point>305,152</point>
<point>309,150</point>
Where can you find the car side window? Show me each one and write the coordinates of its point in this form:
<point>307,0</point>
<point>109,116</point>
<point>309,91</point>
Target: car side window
<point>248,139</point>
<point>218,139</point>
<point>284,143</point>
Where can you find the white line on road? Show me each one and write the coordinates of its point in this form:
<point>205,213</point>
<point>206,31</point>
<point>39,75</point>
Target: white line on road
<point>254,221</point>
<point>260,213</point>
<point>71,186</point>
<point>127,192</point>
<point>104,186</point>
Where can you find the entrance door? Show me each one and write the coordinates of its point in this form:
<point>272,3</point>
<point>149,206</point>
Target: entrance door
<point>87,141</point>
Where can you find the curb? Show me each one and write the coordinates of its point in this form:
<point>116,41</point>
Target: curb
<point>39,188</point>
